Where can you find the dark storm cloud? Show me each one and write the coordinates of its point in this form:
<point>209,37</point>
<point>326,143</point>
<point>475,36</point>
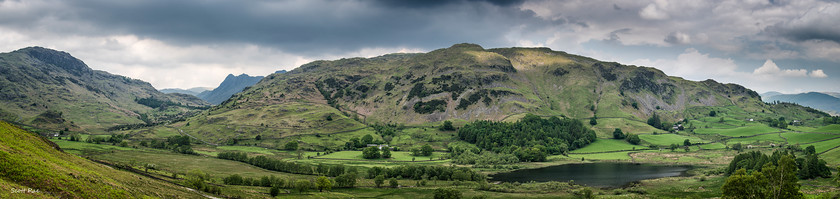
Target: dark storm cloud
<point>815,24</point>
<point>435,3</point>
<point>305,27</point>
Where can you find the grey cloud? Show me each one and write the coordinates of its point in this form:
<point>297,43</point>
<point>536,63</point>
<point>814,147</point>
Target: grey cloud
<point>677,38</point>
<point>305,27</point>
<point>613,36</point>
<point>816,24</point>
<point>436,3</point>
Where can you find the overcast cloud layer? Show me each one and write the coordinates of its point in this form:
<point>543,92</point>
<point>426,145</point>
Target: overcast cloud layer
<point>787,46</point>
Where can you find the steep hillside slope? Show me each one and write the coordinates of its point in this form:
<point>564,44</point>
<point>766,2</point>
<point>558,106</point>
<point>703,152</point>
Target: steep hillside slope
<point>464,83</point>
<point>815,100</point>
<point>51,89</point>
<point>231,85</point>
<point>33,167</point>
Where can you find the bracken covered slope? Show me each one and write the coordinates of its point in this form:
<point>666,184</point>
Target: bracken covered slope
<point>464,82</point>
<point>33,167</point>
<point>51,89</point>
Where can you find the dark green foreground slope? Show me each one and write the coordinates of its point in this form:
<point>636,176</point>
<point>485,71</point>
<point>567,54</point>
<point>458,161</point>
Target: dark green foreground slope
<point>33,167</point>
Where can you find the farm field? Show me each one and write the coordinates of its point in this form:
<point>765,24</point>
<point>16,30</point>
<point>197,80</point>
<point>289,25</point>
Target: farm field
<point>739,131</point>
<point>604,145</point>
<point>802,138</point>
<point>668,139</point>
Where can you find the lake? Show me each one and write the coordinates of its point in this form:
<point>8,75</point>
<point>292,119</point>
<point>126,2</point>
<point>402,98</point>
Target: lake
<point>594,174</point>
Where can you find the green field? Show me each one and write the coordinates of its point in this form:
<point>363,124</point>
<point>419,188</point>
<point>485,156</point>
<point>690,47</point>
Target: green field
<point>715,145</point>
<point>603,145</point>
<point>831,157</point>
<point>834,128</point>
<point>824,145</point>
<point>668,139</point>
<point>760,139</point>
<point>739,131</point>
<point>800,138</point>
<point>600,156</point>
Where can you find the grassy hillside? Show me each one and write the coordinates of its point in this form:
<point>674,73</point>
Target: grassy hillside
<point>53,90</point>
<point>34,164</point>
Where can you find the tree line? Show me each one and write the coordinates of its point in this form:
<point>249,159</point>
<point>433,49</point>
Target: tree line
<point>282,166</point>
<point>422,172</point>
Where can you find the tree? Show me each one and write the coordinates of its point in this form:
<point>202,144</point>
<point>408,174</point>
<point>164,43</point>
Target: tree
<point>370,152</point>
<point>673,147</point>
<point>346,180</point>
<point>233,180</point>
<point>634,139</point>
<point>291,146</point>
<point>259,137</point>
<point>655,121</point>
<point>447,126</point>
<point>810,150</point>
<point>323,183</point>
<point>721,120</point>
<point>447,193</point>
<point>737,147</point>
<point>427,150</point>
<point>712,113</point>
<point>274,191</point>
<point>393,182</point>
<point>367,139</point>
<point>386,152</point>
<point>742,185</point>
<point>837,177</point>
<point>686,142</point>
<point>265,181</point>
<point>593,121</point>
<point>379,180</point>
<point>617,134</point>
<point>302,185</point>
<point>782,179</point>
<point>195,179</point>
<point>776,179</point>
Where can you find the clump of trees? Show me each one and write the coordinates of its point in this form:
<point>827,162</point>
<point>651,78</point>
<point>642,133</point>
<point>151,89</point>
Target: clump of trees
<point>196,179</point>
<point>356,143</point>
<point>831,120</point>
<point>532,136</point>
<point>634,139</point>
<point>778,123</point>
<point>776,178</point>
<point>371,152</point>
<point>618,134</point>
<point>809,166</point>
<point>180,144</point>
<point>425,150</point>
<point>447,126</point>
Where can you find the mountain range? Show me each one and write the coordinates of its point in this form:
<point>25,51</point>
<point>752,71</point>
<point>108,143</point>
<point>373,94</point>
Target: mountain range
<point>464,82</point>
<point>53,90</point>
<point>191,91</point>
<point>828,102</point>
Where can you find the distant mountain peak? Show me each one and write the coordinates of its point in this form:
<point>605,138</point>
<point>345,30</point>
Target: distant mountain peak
<point>231,85</point>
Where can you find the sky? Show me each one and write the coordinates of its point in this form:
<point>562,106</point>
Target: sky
<point>775,45</point>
